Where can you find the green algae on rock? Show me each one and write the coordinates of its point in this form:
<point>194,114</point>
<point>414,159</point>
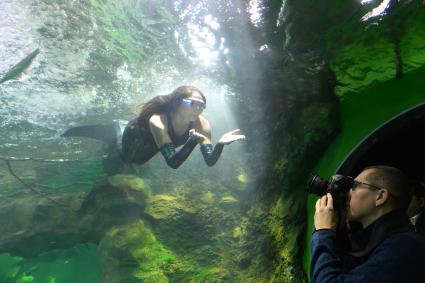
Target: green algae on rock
<point>132,253</point>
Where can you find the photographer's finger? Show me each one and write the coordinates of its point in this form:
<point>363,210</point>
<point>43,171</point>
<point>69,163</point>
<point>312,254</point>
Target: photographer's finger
<point>323,201</point>
<point>330,203</point>
<point>317,204</point>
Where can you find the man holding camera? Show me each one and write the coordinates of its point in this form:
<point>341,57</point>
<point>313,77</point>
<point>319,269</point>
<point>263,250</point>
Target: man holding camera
<point>386,249</point>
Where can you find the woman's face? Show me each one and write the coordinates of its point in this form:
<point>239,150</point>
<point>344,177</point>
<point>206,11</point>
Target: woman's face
<point>192,106</point>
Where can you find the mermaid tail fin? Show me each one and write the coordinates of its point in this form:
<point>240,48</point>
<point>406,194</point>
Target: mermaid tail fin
<point>109,133</point>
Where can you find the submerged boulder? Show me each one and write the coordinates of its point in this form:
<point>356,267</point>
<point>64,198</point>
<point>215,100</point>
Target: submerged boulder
<point>116,200</point>
<point>167,207</point>
<point>34,223</point>
<point>131,253</point>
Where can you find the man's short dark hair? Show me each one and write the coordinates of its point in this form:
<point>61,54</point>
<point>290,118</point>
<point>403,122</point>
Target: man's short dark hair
<point>395,181</point>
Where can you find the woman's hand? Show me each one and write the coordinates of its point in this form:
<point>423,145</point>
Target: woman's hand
<point>193,134</point>
<point>231,136</point>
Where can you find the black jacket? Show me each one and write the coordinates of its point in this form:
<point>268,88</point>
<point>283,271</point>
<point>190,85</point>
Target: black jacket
<point>392,252</point>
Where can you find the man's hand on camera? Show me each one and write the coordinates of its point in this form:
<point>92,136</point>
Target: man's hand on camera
<point>325,216</point>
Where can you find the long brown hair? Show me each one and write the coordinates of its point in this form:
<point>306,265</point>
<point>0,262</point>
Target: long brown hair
<point>165,103</point>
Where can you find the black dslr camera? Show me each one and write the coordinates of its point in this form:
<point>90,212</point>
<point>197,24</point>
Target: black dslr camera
<point>338,186</point>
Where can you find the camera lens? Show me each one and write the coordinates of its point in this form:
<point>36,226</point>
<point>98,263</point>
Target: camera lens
<point>317,186</point>
<point>338,186</point>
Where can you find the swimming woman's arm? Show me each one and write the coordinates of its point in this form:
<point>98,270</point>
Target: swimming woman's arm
<point>175,159</point>
<point>211,154</point>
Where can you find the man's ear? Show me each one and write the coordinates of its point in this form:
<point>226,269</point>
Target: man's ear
<point>382,197</point>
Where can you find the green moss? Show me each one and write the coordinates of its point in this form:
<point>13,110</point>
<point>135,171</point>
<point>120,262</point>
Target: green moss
<point>128,181</point>
<point>135,247</point>
<point>9,267</point>
<point>362,53</point>
<point>228,200</point>
<point>167,206</point>
<point>207,197</point>
<point>155,276</point>
<point>25,279</point>
<point>121,24</point>
<point>362,64</point>
<point>210,274</point>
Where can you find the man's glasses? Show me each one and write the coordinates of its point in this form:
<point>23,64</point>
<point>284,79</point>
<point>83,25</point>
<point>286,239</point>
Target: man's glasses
<point>357,184</point>
<point>194,104</point>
